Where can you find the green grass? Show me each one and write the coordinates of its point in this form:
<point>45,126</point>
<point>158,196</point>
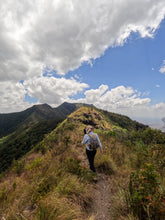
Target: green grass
<point>50,182</point>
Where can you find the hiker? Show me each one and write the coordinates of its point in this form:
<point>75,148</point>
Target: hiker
<point>92,143</point>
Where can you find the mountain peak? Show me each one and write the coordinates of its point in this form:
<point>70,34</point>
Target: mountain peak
<point>41,106</point>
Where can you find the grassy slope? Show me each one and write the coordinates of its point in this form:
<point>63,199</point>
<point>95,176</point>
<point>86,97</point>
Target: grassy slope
<point>52,182</point>
<point>29,128</point>
<point>23,140</point>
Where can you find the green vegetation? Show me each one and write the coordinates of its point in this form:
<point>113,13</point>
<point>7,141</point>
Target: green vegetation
<point>123,121</point>
<point>22,141</point>
<point>53,182</point>
<point>12,121</point>
<point>147,197</point>
<point>27,128</point>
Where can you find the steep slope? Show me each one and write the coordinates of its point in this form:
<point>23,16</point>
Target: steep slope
<point>123,121</point>
<point>29,127</point>
<point>57,183</point>
<point>11,121</point>
<point>53,181</point>
<point>23,140</point>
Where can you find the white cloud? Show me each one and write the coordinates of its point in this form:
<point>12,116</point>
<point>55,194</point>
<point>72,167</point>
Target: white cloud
<point>94,94</point>
<point>64,34</point>
<point>162,69</point>
<point>145,94</point>
<point>157,86</point>
<point>12,97</point>
<point>125,100</point>
<point>120,99</point>
<point>53,91</point>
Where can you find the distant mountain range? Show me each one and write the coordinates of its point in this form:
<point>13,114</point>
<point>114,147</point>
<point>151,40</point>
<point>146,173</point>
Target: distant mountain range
<point>37,113</point>
<point>20,131</point>
<point>10,122</point>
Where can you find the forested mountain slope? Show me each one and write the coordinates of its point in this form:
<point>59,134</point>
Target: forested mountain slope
<point>25,129</point>
<point>11,121</point>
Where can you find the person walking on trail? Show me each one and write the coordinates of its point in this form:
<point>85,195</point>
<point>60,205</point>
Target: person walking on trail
<point>92,143</point>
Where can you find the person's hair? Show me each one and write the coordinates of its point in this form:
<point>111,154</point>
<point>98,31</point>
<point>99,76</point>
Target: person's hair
<point>89,128</point>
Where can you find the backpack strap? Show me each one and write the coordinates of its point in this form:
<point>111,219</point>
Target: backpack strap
<point>92,135</point>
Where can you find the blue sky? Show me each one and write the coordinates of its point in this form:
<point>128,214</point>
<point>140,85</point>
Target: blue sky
<point>136,64</point>
<point>96,52</point>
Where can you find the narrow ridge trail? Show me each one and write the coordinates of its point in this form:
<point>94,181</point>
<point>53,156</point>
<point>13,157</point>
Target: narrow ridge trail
<point>102,196</point>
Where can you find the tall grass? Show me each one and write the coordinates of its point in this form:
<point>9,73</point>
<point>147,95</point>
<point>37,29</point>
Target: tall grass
<point>53,183</point>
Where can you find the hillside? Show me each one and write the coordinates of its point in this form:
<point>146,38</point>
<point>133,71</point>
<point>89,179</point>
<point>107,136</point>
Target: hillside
<point>11,121</point>
<point>53,181</point>
<point>25,129</point>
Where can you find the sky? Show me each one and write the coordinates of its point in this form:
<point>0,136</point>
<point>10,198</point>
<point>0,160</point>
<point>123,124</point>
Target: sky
<point>110,53</point>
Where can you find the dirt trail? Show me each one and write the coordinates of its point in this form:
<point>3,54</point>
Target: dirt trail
<point>102,195</point>
<point>100,209</point>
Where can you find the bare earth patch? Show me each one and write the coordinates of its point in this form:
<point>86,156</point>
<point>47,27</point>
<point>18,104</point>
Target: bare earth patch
<point>100,209</point>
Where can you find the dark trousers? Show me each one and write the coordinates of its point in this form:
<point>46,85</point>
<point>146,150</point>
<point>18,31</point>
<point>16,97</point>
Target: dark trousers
<point>91,156</point>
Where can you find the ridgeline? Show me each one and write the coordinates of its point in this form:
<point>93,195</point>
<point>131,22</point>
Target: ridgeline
<point>52,180</point>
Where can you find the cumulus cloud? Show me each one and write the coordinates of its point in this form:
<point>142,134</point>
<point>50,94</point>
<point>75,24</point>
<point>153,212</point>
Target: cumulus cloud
<point>127,101</point>
<point>64,34</point>
<point>162,69</point>
<point>53,91</point>
<point>123,100</point>
<point>12,97</point>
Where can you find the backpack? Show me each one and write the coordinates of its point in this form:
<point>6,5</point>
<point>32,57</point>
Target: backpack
<point>94,144</point>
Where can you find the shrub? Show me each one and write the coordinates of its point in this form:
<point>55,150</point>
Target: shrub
<point>70,186</point>
<point>142,152</point>
<point>41,147</point>
<point>105,164</point>
<point>66,140</point>
<point>18,165</point>
<point>56,208</point>
<point>110,133</point>
<point>44,186</point>
<point>69,126</point>
<point>75,190</point>
<point>73,166</point>
<point>3,193</point>
<point>37,163</point>
<point>52,139</point>
<point>119,207</point>
<point>146,196</point>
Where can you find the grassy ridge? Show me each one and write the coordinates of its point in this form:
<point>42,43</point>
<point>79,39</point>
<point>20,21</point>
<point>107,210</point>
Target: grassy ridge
<point>52,182</point>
